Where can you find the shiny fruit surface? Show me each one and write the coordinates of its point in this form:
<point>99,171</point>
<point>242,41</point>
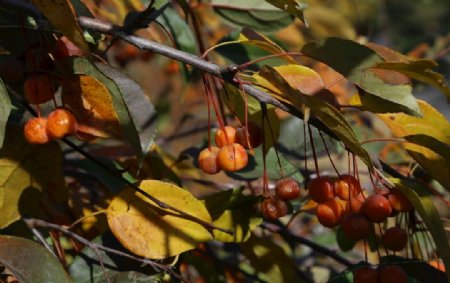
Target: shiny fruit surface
<point>376,208</point>
<point>330,213</point>
<point>232,157</point>
<point>321,189</point>
<point>225,136</point>
<point>287,189</point>
<point>61,123</point>
<point>207,160</point>
<point>35,131</point>
<point>395,239</point>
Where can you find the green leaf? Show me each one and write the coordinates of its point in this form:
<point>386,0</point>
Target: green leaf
<point>180,30</point>
<point>61,15</point>
<point>420,198</point>
<point>24,176</point>
<point>355,61</point>
<point>320,108</point>
<point>5,109</point>
<point>142,112</point>
<point>30,262</point>
<point>294,7</point>
<point>419,69</point>
<point>134,111</point>
<point>270,261</point>
<point>254,14</point>
<point>86,267</point>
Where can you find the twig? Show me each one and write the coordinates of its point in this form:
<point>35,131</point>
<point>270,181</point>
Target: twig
<point>301,240</point>
<point>41,239</point>
<point>32,222</point>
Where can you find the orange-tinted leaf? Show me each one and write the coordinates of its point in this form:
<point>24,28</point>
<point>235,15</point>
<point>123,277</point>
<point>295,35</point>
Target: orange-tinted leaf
<point>62,16</point>
<point>91,103</point>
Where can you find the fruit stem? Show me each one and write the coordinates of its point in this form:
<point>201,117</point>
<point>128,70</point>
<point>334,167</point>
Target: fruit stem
<point>314,151</point>
<point>264,113</point>
<point>328,153</point>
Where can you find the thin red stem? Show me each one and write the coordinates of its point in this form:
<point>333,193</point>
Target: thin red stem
<point>314,151</point>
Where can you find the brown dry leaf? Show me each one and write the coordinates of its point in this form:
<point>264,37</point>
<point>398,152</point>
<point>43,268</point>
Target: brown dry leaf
<point>61,15</point>
<point>434,125</point>
<point>91,103</point>
<point>149,231</point>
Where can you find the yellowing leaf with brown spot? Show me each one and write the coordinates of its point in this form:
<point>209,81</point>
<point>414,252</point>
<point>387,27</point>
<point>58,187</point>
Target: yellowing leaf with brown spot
<point>92,104</point>
<point>428,136</point>
<point>152,232</point>
<point>61,15</point>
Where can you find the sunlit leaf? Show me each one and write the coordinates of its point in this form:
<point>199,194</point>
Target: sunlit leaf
<point>30,262</point>
<point>5,109</point>
<point>320,108</point>
<point>269,261</point>
<point>355,61</point>
<point>61,15</point>
<point>429,139</point>
<point>421,70</point>
<point>420,199</point>
<point>149,231</point>
<point>25,178</point>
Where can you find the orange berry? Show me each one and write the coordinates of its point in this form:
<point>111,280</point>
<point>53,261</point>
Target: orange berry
<point>207,160</point>
<point>225,136</point>
<point>330,213</point>
<point>61,123</point>
<point>250,136</point>
<point>355,226</point>
<point>346,185</point>
<point>232,157</point>
<point>38,89</point>
<point>365,275</point>
<point>399,202</point>
<point>376,208</point>
<point>287,189</point>
<point>321,189</point>
<point>395,239</point>
<point>35,131</point>
<point>393,274</point>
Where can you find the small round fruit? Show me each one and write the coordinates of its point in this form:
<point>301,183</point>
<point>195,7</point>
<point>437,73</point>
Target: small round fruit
<point>346,185</point>
<point>321,189</point>
<point>207,160</point>
<point>393,274</point>
<point>38,89</point>
<point>35,131</point>
<point>225,136</point>
<point>287,189</point>
<point>376,208</point>
<point>61,123</point>
<point>232,157</point>
<point>330,213</point>
<point>65,48</point>
<point>273,208</point>
<point>250,136</point>
<point>399,202</point>
<point>395,239</point>
<point>355,226</point>
<point>365,275</point>
<point>354,203</point>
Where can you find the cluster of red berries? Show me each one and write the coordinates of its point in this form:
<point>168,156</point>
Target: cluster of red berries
<point>384,274</point>
<point>230,153</point>
<point>342,202</point>
<point>58,124</point>
<point>276,206</point>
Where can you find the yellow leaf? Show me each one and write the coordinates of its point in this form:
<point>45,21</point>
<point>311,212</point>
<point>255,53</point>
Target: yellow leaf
<point>61,15</point>
<point>149,231</point>
<point>433,124</point>
<point>25,177</point>
<point>92,104</point>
